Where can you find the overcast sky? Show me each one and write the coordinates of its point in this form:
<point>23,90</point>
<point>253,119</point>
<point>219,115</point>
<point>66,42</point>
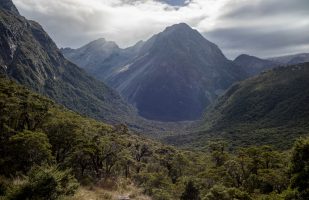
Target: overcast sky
<point>263,28</point>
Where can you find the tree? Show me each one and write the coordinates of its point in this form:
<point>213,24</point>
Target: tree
<point>45,182</point>
<point>63,135</point>
<point>191,192</point>
<point>300,168</point>
<point>28,148</point>
<point>218,192</point>
<point>234,173</point>
<point>140,152</point>
<point>176,167</point>
<point>218,154</point>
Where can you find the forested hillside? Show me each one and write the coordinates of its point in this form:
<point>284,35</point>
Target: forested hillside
<point>49,152</point>
<point>271,108</point>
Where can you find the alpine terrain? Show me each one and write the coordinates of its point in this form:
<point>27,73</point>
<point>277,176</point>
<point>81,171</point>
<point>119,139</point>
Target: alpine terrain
<point>173,76</point>
<point>29,56</point>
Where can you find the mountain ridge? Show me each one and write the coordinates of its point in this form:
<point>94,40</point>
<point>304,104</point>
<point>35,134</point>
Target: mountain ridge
<point>291,59</point>
<point>254,65</point>
<point>164,78</point>
<point>29,56</point>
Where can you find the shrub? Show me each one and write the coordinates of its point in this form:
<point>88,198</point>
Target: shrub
<point>46,182</point>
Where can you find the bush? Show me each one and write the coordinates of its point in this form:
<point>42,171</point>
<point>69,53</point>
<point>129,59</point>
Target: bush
<point>29,148</point>
<point>46,182</point>
<point>223,193</point>
<point>161,194</point>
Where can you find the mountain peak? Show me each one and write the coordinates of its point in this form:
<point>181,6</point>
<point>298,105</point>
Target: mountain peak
<point>101,43</point>
<point>9,6</point>
<point>101,40</point>
<point>244,56</point>
<point>178,27</point>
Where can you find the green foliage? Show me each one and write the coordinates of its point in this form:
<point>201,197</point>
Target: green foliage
<point>300,168</point>
<point>218,154</point>
<point>28,148</point>
<point>269,109</point>
<point>46,182</point>
<point>223,193</point>
<point>191,192</point>
<point>218,192</point>
<point>161,194</point>
<point>36,133</point>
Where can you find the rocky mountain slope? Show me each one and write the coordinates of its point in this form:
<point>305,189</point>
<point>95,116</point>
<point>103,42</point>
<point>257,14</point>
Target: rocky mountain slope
<point>171,77</point>
<point>29,56</point>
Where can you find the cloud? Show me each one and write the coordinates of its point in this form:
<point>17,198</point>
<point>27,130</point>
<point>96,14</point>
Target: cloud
<point>258,27</point>
<point>263,27</point>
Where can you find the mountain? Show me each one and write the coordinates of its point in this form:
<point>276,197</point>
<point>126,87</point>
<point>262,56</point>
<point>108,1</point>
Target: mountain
<point>9,6</point>
<point>171,77</point>
<point>254,65</point>
<point>29,56</point>
<point>92,53</point>
<point>271,108</point>
<point>291,59</point>
<point>100,57</point>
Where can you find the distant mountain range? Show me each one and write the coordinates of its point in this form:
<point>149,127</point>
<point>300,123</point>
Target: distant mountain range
<point>254,65</point>
<point>291,59</point>
<point>173,76</point>
<point>29,56</point>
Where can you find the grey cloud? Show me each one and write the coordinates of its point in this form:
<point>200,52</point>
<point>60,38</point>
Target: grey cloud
<point>263,28</point>
<point>261,41</point>
<point>259,27</point>
<point>175,2</point>
<point>265,8</point>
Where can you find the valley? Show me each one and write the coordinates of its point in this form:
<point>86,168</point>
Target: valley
<point>170,117</point>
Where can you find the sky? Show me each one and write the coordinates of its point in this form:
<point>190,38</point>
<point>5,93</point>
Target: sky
<point>263,28</point>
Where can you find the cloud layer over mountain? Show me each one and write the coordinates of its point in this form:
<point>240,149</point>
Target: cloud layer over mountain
<point>259,27</point>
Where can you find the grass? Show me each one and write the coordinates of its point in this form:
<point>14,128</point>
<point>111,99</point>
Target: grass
<point>110,190</point>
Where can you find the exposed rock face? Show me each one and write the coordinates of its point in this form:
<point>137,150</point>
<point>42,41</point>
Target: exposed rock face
<point>9,6</point>
<point>29,56</point>
<point>171,77</point>
<point>102,58</point>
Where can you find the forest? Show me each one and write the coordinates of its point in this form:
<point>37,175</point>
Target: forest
<point>48,152</point>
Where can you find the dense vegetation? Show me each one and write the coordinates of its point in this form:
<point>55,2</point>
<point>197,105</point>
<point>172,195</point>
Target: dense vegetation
<point>46,152</point>
<point>271,108</point>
